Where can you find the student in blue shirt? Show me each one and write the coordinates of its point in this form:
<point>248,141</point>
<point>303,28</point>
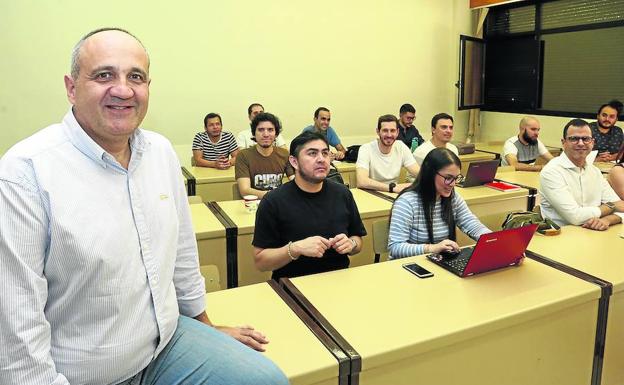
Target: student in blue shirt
<point>322,117</point>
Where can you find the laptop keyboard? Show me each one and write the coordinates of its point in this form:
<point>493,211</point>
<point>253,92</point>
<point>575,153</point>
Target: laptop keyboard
<point>457,261</point>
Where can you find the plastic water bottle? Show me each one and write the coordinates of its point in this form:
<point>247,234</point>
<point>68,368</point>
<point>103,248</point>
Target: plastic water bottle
<point>414,144</point>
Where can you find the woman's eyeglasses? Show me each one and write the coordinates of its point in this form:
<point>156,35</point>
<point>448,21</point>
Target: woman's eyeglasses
<point>449,179</point>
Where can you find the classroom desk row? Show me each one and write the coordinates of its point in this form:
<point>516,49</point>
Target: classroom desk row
<point>558,318</point>
<point>224,229</point>
<point>217,185</point>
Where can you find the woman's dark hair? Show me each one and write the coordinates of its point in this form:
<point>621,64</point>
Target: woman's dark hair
<point>424,185</point>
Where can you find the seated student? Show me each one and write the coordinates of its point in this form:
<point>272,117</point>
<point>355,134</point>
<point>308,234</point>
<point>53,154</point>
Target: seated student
<point>408,133</point>
<point>322,117</point>
<point>574,191</point>
<point>441,136</point>
<point>245,138</point>
<point>522,150</point>
<point>379,162</point>
<point>309,225</point>
<point>262,167</point>
<point>607,136</point>
<point>424,215</point>
<point>213,147</point>
<point>616,175</point>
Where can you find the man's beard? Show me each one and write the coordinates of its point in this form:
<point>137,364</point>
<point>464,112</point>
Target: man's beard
<point>528,139</point>
<point>311,178</point>
<point>605,127</point>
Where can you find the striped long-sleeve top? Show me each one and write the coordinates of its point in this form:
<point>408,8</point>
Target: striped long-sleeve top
<point>408,229</point>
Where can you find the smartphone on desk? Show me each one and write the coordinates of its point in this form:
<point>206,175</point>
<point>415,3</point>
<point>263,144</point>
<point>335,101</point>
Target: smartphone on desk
<point>417,270</point>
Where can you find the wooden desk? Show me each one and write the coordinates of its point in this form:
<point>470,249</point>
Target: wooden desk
<point>527,179</point>
<point>212,184</point>
<point>347,171</point>
<point>530,324</point>
<point>293,346</point>
<point>489,205</point>
<point>605,167</point>
<point>601,254</point>
<point>474,157</point>
<point>497,148</point>
<point>210,236</point>
<point>371,209</point>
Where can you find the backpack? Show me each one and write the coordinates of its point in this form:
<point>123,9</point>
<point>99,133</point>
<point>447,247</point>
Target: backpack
<point>521,218</point>
<point>352,153</point>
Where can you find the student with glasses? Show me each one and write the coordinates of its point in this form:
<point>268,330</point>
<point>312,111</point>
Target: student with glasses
<point>424,215</point>
<point>574,191</point>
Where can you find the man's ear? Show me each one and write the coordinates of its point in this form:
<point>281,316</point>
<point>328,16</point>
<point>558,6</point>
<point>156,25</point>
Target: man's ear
<point>293,162</point>
<point>70,87</point>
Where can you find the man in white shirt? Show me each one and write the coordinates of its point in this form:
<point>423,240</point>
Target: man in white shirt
<point>379,162</point>
<point>522,151</point>
<point>245,138</point>
<point>573,190</point>
<point>441,136</point>
<point>99,264</point>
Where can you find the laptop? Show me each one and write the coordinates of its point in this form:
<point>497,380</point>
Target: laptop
<point>480,173</point>
<point>492,251</point>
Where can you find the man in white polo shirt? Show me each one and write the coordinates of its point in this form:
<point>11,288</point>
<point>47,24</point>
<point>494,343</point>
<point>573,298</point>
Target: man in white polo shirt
<point>522,150</point>
<point>379,162</point>
<point>441,135</point>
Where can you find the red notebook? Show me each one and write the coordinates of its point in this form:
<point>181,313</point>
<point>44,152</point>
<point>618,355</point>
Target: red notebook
<point>502,186</point>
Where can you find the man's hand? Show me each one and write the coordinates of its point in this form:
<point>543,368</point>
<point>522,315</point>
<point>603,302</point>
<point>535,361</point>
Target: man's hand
<point>400,187</point>
<point>596,224</point>
<point>223,163</point>
<point>339,155</point>
<point>605,157</point>
<point>311,247</point>
<point>246,335</point>
<point>342,244</point>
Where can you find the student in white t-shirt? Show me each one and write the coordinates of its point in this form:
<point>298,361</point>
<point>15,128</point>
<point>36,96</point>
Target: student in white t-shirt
<point>441,135</point>
<point>522,151</point>
<point>245,139</point>
<point>379,162</point>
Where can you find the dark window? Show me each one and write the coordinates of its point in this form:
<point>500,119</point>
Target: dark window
<point>561,57</point>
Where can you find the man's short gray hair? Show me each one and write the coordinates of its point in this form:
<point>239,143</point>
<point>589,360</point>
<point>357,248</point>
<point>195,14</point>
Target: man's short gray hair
<point>75,67</point>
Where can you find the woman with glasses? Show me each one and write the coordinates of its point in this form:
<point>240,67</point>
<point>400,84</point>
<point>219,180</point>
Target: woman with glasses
<point>616,175</point>
<point>424,215</point>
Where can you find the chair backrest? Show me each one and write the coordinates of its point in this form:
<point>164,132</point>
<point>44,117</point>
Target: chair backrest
<point>380,239</point>
<point>211,277</point>
<point>235,193</point>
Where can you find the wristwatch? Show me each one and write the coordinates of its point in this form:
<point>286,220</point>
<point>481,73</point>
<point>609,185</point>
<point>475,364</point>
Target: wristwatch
<point>611,206</point>
<point>391,187</point>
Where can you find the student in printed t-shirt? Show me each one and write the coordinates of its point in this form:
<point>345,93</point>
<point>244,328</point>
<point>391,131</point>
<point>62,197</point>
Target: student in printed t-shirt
<point>441,136</point>
<point>379,162</point>
<point>214,147</point>
<point>607,136</point>
<point>245,138</point>
<point>261,168</point>
<point>522,151</point>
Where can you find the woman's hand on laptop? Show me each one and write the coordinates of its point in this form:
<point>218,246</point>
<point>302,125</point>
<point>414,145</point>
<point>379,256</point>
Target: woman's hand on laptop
<point>445,246</point>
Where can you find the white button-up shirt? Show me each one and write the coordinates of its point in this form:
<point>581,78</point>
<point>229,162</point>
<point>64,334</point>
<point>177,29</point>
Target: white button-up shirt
<point>96,261</point>
<point>570,194</point>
